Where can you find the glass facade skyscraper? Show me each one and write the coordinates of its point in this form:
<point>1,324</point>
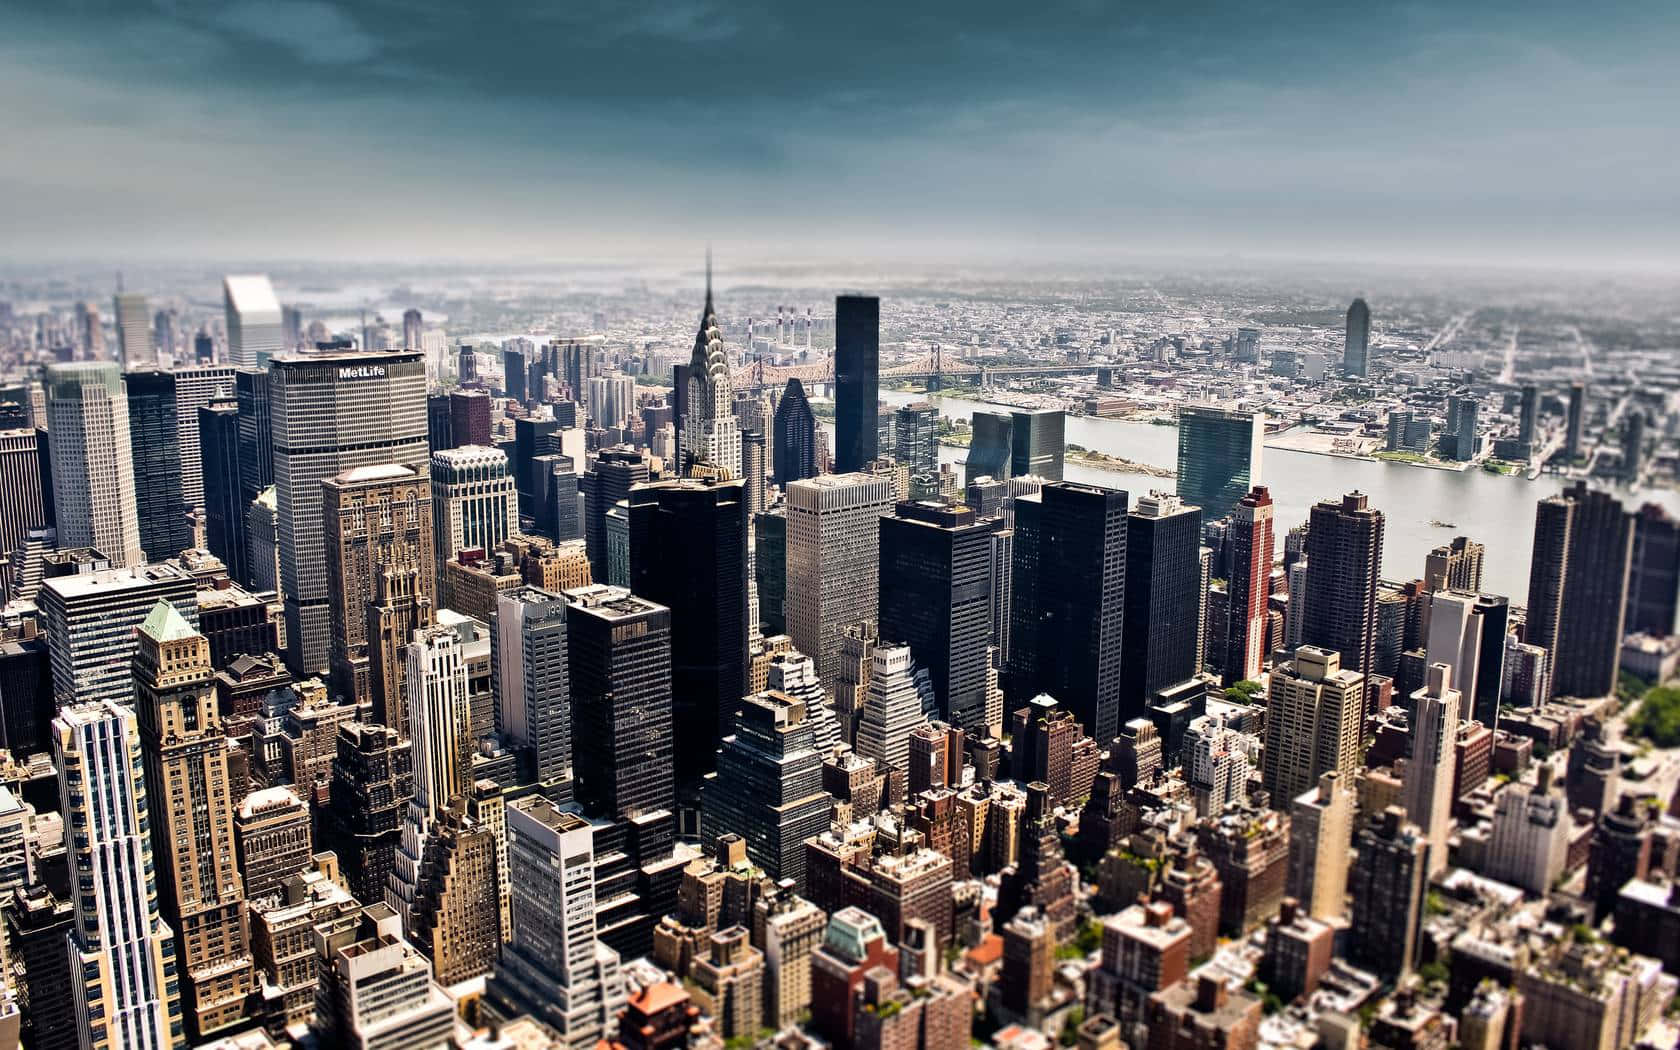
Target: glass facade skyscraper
<point>1218,457</point>
<point>857,353</point>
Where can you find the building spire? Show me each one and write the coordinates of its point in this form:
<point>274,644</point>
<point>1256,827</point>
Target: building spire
<point>708,276</point>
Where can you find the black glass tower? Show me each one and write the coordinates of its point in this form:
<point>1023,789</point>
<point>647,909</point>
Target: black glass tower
<point>795,444</point>
<point>616,470</point>
<point>620,651</point>
<point>224,514</point>
<point>155,444</point>
<point>1067,610</point>
<point>857,362</point>
<point>1163,600</point>
<point>936,597</point>
<point>256,434</point>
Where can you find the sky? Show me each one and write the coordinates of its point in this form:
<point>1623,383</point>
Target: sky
<point>1523,133</point>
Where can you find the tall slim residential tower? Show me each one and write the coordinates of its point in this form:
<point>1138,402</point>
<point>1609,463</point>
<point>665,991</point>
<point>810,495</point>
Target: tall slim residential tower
<point>333,412</point>
<point>155,450</point>
<point>1429,775</point>
<point>375,518</point>
<point>916,437</point>
<point>1575,421</point>
<point>134,330</point>
<point>1344,562</point>
<point>1218,457</point>
<point>555,968</point>
<point>475,502</point>
<point>938,559</point>
<point>688,552</point>
<point>1314,723</point>
<point>793,448</point>
<point>833,554</point>
<point>1653,580</point>
<point>1252,551</point>
<point>1387,885</point>
<point>1356,351</point>
<point>1578,586</point>
<point>857,354</point>
<point>126,987</point>
<point>253,320</point>
<point>92,469</point>
<point>620,667</point>
<point>711,442</point>
<point>190,790</point>
<point>1455,566</point>
<point>1163,566</point>
<point>533,687</point>
<point>1067,606</point>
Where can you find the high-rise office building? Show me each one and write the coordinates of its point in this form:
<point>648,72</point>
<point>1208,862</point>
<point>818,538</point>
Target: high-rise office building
<point>616,471</point>
<point>469,417</point>
<point>154,441</point>
<point>1578,586</point>
<point>916,437</point>
<point>439,721</point>
<point>224,514</point>
<point>1314,723</point>
<point>372,784</point>
<point>1460,441</point>
<point>1387,886</point>
<point>938,557</point>
<point>91,619</point>
<point>892,710</point>
<point>1067,603</point>
<point>1037,443</point>
<point>1356,349</point>
<point>770,568</point>
<point>124,971</point>
<point>794,447</point>
<point>555,968</point>
<point>474,500</point>
<point>768,787</point>
<point>688,552</point>
<point>1320,836</point>
<point>1344,562</point>
<point>190,794</point>
<point>711,433</point>
<point>92,468</point>
<point>1633,446</point>
<point>1429,774</point>
<point>401,603</point>
<point>253,321</point>
<point>256,433</point>
<point>620,669</point>
<point>833,560</point>
<point>195,388</point>
<point>1653,576</point>
<point>1528,417</point>
<point>1158,635</point>
<point>376,990</point>
<point>375,518</point>
<point>857,353</point>
<point>990,447</point>
<point>21,504</point>
<point>334,412</point>
<point>1218,457</point>
<point>134,330</point>
<point>1575,421</point>
<point>1493,615</point>
<point>533,688</point>
<point>1252,550</point>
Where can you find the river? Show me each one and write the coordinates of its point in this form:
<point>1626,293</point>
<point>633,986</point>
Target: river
<point>1492,509</point>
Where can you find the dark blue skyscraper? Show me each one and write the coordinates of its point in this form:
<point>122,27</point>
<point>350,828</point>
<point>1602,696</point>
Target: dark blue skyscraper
<point>1356,352</point>
<point>795,444</point>
<point>224,513</point>
<point>1218,457</point>
<point>857,362</point>
<point>1163,599</point>
<point>990,447</point>
<point>154,440</point>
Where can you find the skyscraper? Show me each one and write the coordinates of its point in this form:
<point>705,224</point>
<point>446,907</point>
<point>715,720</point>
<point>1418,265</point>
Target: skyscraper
<point>1163,565</point>
<point>1252,551</point>
<point>21,505</point>
<point>1038,443</point>
<point>769,785</point>
<point>938,557</point>
<point>533,687</point>
<point>1067,606</point>
<point>1575,422</point>
<point>616,470</point>
<point>620,668</point>
<point>1314,724</point>
<point>1356,350</point>
<point>469,417</point>
<point>334,412</point>
<point>1578,586</point>
<point>990,447</point>
<point>1387,885</point>
<point>688,552</point>
<point>154,441</point>
<point>134,330</point>
<point>1455,566</point>
<point>1528,419</point>
<point>857,353</point>
<point>195,388</point>
<point>474,500</point>
<point>439,720</point>
<point>794,448</point>
<point>1344,562</point>
<point>833,560</point>
<point>1654,576</point>
<point>916,436</point>
<point>190,794</point>
<point>126,986</point>
<point>256,433</point>
<point>91,619</point>
<point>374,518</point>
<point>224,514</point>
<point>92,469</point>
<point>253,321</point>
<point>1320,835</point>
<point>893,709</point>
<point>1460,440</point>
<point>1218,457</point>
<point>711,433</point>
<point>1429,774</point>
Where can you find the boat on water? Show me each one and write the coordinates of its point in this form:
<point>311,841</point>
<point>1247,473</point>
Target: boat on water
<point>1443,524</point>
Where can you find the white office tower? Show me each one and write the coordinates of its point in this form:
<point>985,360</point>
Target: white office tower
<point>795,674</point>
<point>711,440</point>
<point>554,968</point>
<point>1455,638</point>
<point>375,990</point>
<point>440,730</point>
<point>134,330</point>
<point>612,400</point>
<point>195,388</point>
<point>331,413</point>
<point>253,320</point>
<point>1530,840</point>
<point>533,690</point>
<point>1297,616</point>
<point>1217,764</point>
<point>475,502</point>
<point>833,563</point>
<point>123,967</point>
<point>893,709</point>
<point>92,465</point>
<point>1429,775</point>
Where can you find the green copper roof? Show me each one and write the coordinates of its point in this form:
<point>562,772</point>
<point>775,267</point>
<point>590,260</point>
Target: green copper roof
<point>166,624</point>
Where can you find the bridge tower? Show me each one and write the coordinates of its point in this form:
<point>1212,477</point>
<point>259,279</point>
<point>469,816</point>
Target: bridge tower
<point>937,381</point>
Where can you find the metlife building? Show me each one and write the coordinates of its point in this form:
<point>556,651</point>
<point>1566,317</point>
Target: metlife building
<point>332,413</point>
